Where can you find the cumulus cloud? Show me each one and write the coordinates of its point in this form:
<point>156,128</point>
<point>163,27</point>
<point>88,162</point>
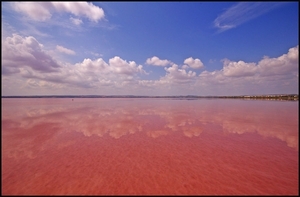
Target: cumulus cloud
<point>42,11</point>
<point>282,65</point>
<point>20,51</point>
<point>65,50</point>
<point>96,73</point>
<point>238,69</point>
<point>193,63</point>
<point>184,66</point>
<point>121,66</point>
<point>178,74</point>
<point>174,76</point>
<point>285,64</point>
<point>25,56</point>
<point>158,62</point>
<point>26,63</point>
<point>270,74</point>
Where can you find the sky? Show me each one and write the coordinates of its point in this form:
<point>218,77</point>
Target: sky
<point>149,48</point>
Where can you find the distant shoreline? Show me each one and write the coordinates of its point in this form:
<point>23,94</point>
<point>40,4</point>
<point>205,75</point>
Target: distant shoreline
<point>265,97</point>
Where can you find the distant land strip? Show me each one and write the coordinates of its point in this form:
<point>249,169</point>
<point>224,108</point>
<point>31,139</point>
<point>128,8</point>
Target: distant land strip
<point>266,97</point>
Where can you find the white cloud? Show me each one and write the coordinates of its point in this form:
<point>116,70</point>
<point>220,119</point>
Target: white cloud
<point>158,62</point>
<point>24,57</point>
<point>285,64</point>
<point>76,21</point>
<point>178,75</point>
<point>184,67</point>
<point>19,52</point>
<point>65,50</point>
<point>28,68</point>
<point>241,13</point>
<point>174,76</point>
<point>270,75</point>
<point>121,66</point>
<point>42,11</point>
<point>239,69</point>
<point>91,73</point>
<point>193,63</point>
<point>35,10</point>
<point>92,12</point>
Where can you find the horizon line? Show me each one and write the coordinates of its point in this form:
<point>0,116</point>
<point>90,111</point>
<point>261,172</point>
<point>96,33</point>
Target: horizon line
<point>130,95</point>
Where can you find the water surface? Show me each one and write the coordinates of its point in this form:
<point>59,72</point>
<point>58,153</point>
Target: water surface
<point>149,146</point>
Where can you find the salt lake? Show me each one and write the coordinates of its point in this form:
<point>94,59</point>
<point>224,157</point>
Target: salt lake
<point>102,146</point>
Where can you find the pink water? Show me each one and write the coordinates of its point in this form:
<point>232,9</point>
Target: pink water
<point>149,146</point>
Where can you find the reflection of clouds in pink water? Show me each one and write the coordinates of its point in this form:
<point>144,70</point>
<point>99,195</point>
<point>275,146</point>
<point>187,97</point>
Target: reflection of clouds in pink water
<point>142,146</point>
<point>157,133</point>
<point>28,143</point>
<point>155,118</point>
<point>194,131</point>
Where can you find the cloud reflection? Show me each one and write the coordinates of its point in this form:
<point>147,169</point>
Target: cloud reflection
<point>30,127</point>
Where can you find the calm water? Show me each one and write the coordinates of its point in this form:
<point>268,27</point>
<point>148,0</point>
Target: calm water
<point>149,146</point>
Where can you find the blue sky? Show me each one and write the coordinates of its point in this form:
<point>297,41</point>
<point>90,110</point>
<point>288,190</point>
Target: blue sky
<point>152,48</point>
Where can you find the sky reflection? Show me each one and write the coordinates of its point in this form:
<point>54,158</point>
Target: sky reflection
<point>116,118</point>
<point>149,146</point>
